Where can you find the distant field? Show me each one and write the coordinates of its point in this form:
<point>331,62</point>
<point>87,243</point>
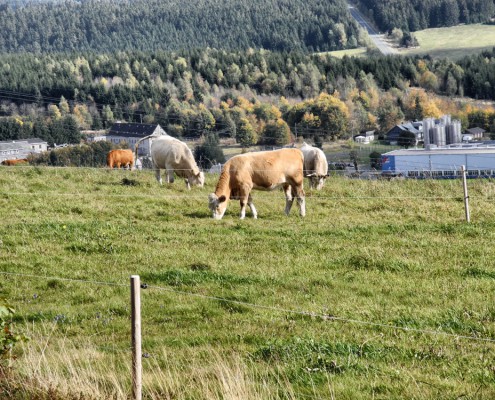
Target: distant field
<point>361,51</point>
<point>454,42</point>
<point>382,291</point>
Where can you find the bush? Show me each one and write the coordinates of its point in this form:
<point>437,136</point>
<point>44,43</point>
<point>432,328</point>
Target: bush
<point>7,337</point>
<point>209,153</point>
<point>375,160</point>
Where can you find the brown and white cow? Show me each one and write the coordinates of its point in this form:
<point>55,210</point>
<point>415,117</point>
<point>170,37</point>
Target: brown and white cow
<point>120,158</point>
<point>15,161</point>
<point>174,156</point>
<point>315,166</point>
<point>265,170</point>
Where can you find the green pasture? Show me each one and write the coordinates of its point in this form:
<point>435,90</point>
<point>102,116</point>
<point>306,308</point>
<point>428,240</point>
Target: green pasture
<point>453,42</point>
<point>382,291</point>
<point>359,52</point>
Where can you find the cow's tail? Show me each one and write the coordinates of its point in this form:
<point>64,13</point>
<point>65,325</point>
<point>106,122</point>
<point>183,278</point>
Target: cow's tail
<point>136,146</point>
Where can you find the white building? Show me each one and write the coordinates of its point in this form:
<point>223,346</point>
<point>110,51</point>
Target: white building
<point>130,133</point>
<point>17,149</point>
<point>366,137</point>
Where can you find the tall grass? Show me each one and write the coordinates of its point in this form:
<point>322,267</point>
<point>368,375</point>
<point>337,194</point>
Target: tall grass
<point>57,368</point>
<point>381,291</point>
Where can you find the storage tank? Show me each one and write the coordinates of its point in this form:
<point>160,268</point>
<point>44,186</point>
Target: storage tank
<point>428,123</point>
<point>439,137</point>
<point>446,119</point>
<point>454,132</point>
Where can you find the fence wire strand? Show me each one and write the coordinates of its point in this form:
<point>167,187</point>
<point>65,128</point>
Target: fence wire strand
<point>321,316</point>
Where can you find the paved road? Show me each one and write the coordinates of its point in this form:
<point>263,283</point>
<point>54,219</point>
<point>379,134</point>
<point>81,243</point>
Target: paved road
<point>375,36</point>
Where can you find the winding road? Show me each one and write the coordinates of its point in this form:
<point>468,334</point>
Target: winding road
<point>375,36</point>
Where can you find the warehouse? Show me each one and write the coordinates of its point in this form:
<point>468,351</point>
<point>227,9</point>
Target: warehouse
<point>441,162</point>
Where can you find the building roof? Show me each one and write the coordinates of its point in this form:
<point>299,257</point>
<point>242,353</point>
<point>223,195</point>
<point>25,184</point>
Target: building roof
<point>21,143</point>
<point>409,127</point>
<point>413,127</point>
<point>36,140</point>
<point>475,130</point>
<point>132,130</point>
<point>14,146</point>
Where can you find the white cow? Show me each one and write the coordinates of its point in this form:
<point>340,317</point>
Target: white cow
<point>174,156</point>
<point>265,170</point>
<point>315,166</point>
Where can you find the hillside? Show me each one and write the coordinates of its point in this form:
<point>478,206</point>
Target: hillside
<point>53,26</point>
<point>415,15</point>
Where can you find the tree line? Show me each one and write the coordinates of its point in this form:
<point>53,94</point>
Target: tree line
<point>133,82</point>
<point>255,97</point>
<point>106,25</point>
<point>415,15</point>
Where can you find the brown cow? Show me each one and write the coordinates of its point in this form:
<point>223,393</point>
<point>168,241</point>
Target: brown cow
<point>118,158</point>
<point>15,162</point>
<point>264,170</point>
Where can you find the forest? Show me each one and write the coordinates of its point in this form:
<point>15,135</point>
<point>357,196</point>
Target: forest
<point>252,71</point>
<point>415,15</point>
<point>61,26</point>
<point>254,96</point>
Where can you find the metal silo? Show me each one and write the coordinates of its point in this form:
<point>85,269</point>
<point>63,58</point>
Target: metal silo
<point>454,132</point>
<point>439,137</point>
<point>457,131</point>
<point>428,124</point>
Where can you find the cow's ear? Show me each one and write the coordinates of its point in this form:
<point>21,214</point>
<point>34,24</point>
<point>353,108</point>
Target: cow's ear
<point>222,198</point>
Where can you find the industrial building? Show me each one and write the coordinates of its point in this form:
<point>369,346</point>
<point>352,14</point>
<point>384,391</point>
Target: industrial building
<point>441,162</point>
<point>443,155</point>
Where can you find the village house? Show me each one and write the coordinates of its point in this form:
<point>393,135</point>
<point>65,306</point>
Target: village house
<point>475,133</point>
<point>412,127</point>
<point>365,137</point>
<point>130,133</point>
<point>17,149</point>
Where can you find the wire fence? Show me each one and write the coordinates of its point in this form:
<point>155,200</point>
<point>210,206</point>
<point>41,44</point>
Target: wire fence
<point>196,197</point>
<point>320,316</point>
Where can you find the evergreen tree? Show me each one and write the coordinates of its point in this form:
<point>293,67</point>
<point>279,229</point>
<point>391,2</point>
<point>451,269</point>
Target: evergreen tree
<point>209,153</point>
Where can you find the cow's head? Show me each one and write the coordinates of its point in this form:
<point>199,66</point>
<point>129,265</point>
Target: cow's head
<point>197,179</point>
<point>217,205</point>
<point>317,181</point>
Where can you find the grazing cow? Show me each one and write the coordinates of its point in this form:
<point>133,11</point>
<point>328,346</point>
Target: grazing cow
<point>265,170</point>
<point>120,158</point>
<point>15,162</point>
<point>174,156</point>
<point>315,166</point>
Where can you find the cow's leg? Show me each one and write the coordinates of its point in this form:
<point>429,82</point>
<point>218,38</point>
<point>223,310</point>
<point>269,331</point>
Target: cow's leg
<point>312,182</point>
<point>288,198</point>
<point>251,206</point>
<point>188,185</point>
<point>298,191</point>
<point>170,175</point>
<point>244,195</point>
<point>158,176</point>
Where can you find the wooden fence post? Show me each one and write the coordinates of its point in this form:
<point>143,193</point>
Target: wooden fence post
<point>136,338</point>
<point>466,196</point>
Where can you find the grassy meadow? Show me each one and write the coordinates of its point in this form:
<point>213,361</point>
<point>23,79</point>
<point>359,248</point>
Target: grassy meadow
<point>382,291</point>
<point>453,42</point>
